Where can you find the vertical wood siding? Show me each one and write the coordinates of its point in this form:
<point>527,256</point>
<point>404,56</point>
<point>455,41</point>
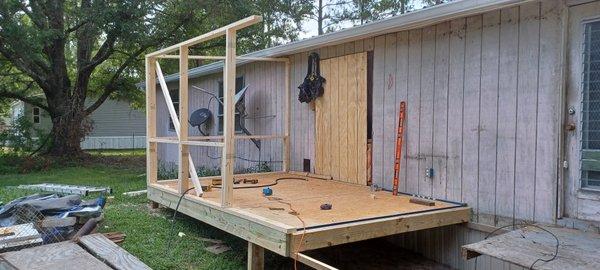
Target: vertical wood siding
<point>482,98</point>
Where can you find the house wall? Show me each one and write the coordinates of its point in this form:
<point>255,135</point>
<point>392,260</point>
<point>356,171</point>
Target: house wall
<point>115,125</point>
<point>483,97</point>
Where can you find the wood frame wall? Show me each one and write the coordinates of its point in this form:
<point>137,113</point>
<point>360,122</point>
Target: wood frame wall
<point>186,169</point>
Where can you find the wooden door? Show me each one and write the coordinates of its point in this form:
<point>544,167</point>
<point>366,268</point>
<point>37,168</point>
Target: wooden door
<point>341,119</point>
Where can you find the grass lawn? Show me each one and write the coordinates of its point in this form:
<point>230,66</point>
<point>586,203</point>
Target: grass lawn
<point>148,231</point>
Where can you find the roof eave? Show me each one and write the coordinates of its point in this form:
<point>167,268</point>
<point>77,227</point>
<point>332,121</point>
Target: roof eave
<point>408,21</point>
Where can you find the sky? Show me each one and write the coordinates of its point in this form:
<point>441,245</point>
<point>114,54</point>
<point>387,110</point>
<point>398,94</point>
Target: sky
<point>310,26</point>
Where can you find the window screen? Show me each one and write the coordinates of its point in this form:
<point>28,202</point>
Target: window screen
<point>239,85</point>
<point>590,117</point>
<point>36,115</point>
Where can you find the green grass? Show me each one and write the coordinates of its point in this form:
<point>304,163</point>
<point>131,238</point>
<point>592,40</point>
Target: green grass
<point>148,231</point>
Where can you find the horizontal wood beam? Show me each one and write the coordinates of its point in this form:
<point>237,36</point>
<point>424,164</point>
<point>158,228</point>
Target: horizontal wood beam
<point>314,263</point>
<point>196,143</point>
<point>238,137</point>
<point>231,220</point>
<point>210,57</point>
<point>248,21</point>
<point>363,230</point>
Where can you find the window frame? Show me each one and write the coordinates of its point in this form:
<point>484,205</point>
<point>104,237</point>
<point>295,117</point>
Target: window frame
<point>36,113</point>
<point>584,63</point>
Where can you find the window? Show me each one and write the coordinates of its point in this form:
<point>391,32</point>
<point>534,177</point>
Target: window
<point>36,115</point>
<point>239,85</point>
<point>590,116</point>
<point>175,98</point>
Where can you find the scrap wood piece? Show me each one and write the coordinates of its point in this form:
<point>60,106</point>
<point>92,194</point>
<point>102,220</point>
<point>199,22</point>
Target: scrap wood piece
<point>23,235</point>
<point>115,237</point>
<point>209,240</point>
<point>62,255</point>
<point>67,189</point>
<point>577,249</point>
<point>217,248</point>
<point>111,253</point>
<point>135,193</point>
<point>422,201</point>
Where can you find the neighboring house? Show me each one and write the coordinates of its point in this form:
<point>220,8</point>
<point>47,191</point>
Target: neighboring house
<point>502,104</point>
<point>115,124</point>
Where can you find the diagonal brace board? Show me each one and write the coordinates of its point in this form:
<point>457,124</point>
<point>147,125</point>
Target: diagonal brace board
<point>177,125</point>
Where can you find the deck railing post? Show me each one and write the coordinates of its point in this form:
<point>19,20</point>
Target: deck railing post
<point>184,150</point>
<point>151,155</point>
<point>228,155</point>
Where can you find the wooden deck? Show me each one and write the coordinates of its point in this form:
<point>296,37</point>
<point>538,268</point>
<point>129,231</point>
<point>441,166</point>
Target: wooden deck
<point>291,220</point>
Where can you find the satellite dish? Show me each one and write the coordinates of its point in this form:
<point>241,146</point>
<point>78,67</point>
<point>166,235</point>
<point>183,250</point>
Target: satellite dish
<point>200,117</point>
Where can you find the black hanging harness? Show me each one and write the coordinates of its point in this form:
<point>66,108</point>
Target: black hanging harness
<point>312,87</point>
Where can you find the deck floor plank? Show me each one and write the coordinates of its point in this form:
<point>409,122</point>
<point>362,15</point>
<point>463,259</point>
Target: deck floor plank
<point>349,202</point>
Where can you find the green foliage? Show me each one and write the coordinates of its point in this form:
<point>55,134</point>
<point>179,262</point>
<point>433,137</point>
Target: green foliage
<point>22,137</point>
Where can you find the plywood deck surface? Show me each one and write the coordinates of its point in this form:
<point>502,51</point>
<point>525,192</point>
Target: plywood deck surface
<point>577,249</point>
<point>350,202</point>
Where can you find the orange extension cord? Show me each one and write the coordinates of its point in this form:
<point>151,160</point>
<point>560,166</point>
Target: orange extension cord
<point>297,214</point>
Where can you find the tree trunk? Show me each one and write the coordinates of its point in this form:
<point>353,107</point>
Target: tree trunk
<point>69,128</point>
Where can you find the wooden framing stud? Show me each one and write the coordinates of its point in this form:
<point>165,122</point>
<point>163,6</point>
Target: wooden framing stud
<point>152,148</point>
<point>286,138</point>
<point>228,155</point>
<point>256,257</point>
<point>184,150</point>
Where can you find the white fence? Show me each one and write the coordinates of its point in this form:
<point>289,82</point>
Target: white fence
<point>114,142</point>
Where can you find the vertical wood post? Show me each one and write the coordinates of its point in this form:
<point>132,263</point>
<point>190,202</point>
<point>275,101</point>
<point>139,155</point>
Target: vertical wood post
<point>286,138</point>
<point>228,155</point>
<point>256,257</point>
<point>151,155</point>
<point>184,150</point>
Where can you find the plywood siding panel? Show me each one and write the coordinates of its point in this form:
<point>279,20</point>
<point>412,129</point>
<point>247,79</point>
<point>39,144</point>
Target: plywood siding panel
<point>440,110</point>
<point>471,109</point>
<point>548,115</point>
<point>488,121</point>
<point>426,114</point>
<point>455,109</point>
<point>507,112</point>
<point>389,108</point>
<point>525,171</point>
<point>401,95</point>
<point>413,108</point>
<point>378,114</point>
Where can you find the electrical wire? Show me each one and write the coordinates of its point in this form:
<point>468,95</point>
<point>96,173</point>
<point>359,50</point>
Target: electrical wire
<point>175,215</point>
<point>536,226</point>
<point>266,185</point>
<point>297,214</point>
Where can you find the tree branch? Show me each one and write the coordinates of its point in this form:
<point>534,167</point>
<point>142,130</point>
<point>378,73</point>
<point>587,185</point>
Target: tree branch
<point>30,100</point>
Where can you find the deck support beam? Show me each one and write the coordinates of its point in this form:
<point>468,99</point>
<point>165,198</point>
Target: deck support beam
<point>256,257</point>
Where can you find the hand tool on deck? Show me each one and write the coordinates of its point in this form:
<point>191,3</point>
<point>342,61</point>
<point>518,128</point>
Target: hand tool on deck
<point>399,139</point>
